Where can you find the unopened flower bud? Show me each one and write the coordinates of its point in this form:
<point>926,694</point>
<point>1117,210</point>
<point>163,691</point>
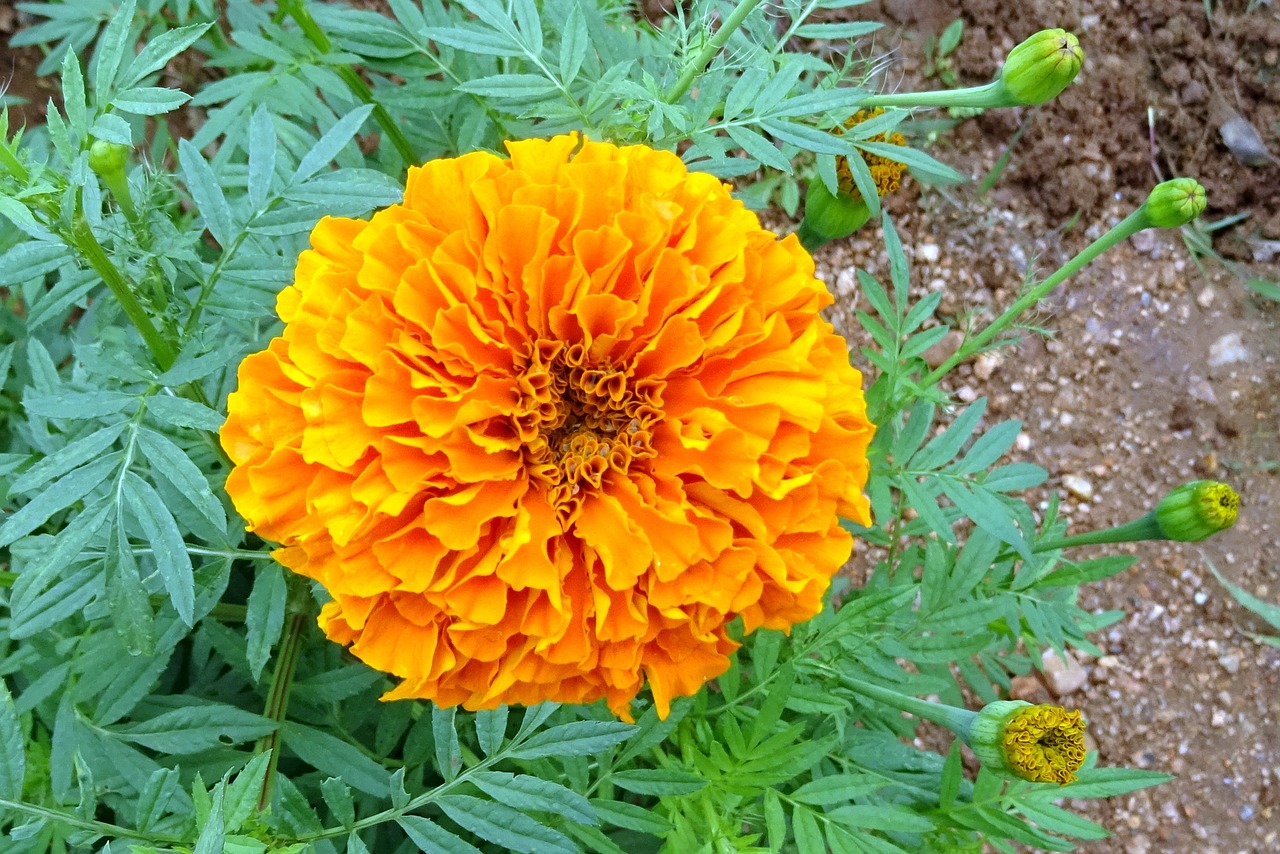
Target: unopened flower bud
<point>1042,66</point>
<point>830,217</point>
<point>1043,744</point>
<point>1197,510</point>
<point>108,158</point>
<point>1174,203</point>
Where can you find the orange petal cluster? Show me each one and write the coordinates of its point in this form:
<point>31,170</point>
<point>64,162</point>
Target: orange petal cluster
<point>546,427</point>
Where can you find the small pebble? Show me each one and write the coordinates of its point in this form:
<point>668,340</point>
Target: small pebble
<point>1077,486</point>
<point>929,252</point>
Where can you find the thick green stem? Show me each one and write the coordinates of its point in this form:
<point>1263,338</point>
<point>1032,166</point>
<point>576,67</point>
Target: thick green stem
<point>277,705</point>
<point>297,9</point>
<point>988,96</point>
<point>1126,228</point>
<point>1145,528</point>
<point>710,49</point>
<point>954,719</point>
<point>82,239</point>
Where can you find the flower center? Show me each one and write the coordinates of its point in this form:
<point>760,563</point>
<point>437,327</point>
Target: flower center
<point>580,420</point>
<point>1046,743</point>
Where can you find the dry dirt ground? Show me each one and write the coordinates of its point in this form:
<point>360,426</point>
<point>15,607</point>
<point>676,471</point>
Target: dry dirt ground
<point>1154,372</point>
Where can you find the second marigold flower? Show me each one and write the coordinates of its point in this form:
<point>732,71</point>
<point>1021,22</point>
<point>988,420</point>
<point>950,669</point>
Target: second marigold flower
<point>547,427</point>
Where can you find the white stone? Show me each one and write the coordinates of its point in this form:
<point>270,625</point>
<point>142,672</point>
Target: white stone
<point>1063,677</point>
<point>1077,486</point>
<point>929,252</point>
<point>1227,350</point>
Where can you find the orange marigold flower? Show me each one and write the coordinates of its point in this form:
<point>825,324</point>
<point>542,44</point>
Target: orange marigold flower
<point>546,427</point>
<point>886,173</point>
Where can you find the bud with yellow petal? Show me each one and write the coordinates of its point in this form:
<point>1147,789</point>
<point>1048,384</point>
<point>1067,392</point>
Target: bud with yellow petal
<point>1188,514</point>
<point>1042,66</point>
<point>1043,744</point>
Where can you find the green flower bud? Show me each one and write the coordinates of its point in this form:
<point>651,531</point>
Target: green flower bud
<point>828,217</point>
<point>1042,66</point>
<point>1043,744</point>
<point>108,159</point>
<point>1175,202</point>
<point>1197,510</point>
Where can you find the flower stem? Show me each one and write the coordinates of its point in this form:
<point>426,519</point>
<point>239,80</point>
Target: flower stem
<point>987,96</point>
<point>278,693</point>
<point>710,49</point>
<point>1126,228</point>
<point>1145,528</point>
<point>82,239</point>
<point>954,719</point>
<point>297,9</point>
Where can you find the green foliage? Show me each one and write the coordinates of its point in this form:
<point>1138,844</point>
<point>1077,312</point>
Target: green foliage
<point>162,685</point>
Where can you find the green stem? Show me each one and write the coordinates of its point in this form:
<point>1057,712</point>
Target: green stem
<point>1145,528</point>
<point>954,719</point>
<point>82,239</point>
<point>102,828</point>
<point>7,579</point>
<point>988,96</point>
<point>1126,228</point>
<point>277,705</point>
<point>297,9</point>
<point>712,47</point>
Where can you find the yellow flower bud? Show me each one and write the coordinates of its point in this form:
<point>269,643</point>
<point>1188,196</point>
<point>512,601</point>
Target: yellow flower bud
<point>1175,202</point>
<point>1043,744</point>
<point>108,158</point>
<point>1197,510</point>
<point>1042,66</point>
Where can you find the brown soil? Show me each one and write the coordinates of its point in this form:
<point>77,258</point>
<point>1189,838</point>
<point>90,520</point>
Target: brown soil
<point>1130,394</point>
<point>1153,372</point>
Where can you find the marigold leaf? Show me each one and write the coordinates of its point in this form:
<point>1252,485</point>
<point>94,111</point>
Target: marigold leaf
<point>838,30</point>
<point>808,138</point>
<point>111,47</point>
<point>193,729</point>
<point>241,798</point>
<point>149,100</point>
<point>336,758</point>
<point>64,492</point>
<point>213,831</point>
<point>520,87</point>
<point>526,792</point>
<point>758,147</point>
<point>154,798</point>
<point>921,165</point>
<point>580,738</point>
<point>206,192</point>
<point>34,608</point>
<point>331,143</point>
<point>630,816</point>
<point>167,545</point>
<point>180,412</point>
<point>491,729</point>
<point>78,405</point>
<point>265,616</point>
<point>941,449</point>
<point>159,50</point>
<point>836,789</point>
<point>171,464</point>
<point>808,834</point>
<point>448,751</point>
<point>775,819</point>
<point>574,44</point>
<point>432,838</point>
<point>71,456</point>
<point>337,795</point>
<point>473,39</point>
<point>74,101</point>
<point>504,826</point>
<point>658,782</point>
<point>13,761</point>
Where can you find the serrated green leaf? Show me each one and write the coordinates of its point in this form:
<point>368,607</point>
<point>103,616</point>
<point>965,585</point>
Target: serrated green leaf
<point>630,816</point>
<point>836,789</point>
<point>170,463</point>
<point>157,52</point>
<point>580,738</point>
<point>61,494</point>
<point>154,798</point>
<point>241,795</point>
<point>952,776</point>
<point>491,729</point>
<point>13,761</point>
<point>504,826</point>
<point>890,817</point>
<point>519,87</point>
<point>942,449</point>
<point>131,612</point>
<point>525,792</point>
<point>213,832</point>
<point>921,165</point>
<point>206,192</point>
<point>111,47</point>
<point>444,729</point>
<point>758,147</point>
<point>74,100</point>
<point>806,138</point>
<point>264,616</point>
<point>838,30</point>
<point>193,729</point>
<point>167,546</point>
<point>1265,610</point>
<point>986,511</point>
<point>65,459</point>
<point>1057,820</point>
<point>337,795</point>
<point>78,405</point>
<point>331,143</point>
<point>808,834</point>
<point>658,782</point>
<point>989,447</point>
<point>149,100</point>
<point>775,819</point>
<point>473,39</point>
<point>35,608</point>
<point>336,758</point>
<point>262,157</point>
<point>1109,782</point>
<point>180,412</point>
<point>431,838</point>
